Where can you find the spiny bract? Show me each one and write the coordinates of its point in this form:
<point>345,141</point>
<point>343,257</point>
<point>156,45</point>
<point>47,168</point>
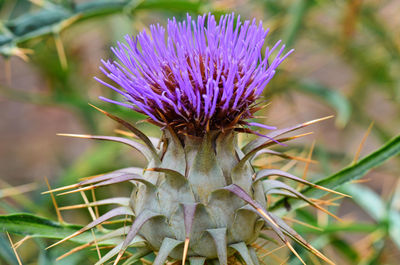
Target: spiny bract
<point>199,199</point>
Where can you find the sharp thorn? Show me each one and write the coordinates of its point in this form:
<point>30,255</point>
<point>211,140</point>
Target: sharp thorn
<point>302,223</point>
<point>19,243</point>
<point>294,252</point>
<point>85,136</point>
<point>97,108</point>
<point>14,249</point>
<point>320,255</point>
<point>125,133</point>
<point>327,212</point>
<point>77,190</point>
<point>185,250</point>
<point>266,216</point>
<point>363,140</point>
<point>72,251</point>
<point>53,199</point>
<point>318,120</point>
<point>118,257</point>
<point>61,189</point>
<point>332,191</point>
<point>65,239</point>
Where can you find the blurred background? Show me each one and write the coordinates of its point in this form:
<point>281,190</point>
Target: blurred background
<point>346,63</point>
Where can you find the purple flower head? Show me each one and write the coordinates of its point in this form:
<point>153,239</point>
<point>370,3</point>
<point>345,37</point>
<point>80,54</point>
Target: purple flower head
<point>195,75</point>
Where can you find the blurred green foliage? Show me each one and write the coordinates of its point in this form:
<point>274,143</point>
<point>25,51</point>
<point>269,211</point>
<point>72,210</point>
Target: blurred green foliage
<point>356,35</point>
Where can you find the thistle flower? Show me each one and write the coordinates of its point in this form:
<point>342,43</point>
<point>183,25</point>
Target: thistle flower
<point>204,76</point>
<point>199,198</point>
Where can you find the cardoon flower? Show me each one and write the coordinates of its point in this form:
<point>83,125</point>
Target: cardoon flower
<point>204,76</point>
<point>199,200</point>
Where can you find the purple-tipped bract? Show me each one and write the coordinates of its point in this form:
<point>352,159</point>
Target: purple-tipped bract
<point>195,76</point>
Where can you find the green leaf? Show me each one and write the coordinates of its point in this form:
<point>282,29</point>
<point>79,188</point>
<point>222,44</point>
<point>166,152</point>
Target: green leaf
<point>20,7</point>
<point>296,14</point>
<point>394,226</point>
<point>47,21</point>
<point>345,248</point>
<point>394,217</point>
<point>371,203</point>
<point>359,169</point>
<point>172,5</point>
<point>337,228</point>
<point>352,172</point>
<point>34,226</point>
<point>367,199</point>
<point>273,7</point>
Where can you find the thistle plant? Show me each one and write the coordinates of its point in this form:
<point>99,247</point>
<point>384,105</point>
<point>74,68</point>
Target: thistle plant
<point>199,199</point>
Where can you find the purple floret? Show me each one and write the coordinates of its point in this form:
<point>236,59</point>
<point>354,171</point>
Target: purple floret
<point>195,76</point>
